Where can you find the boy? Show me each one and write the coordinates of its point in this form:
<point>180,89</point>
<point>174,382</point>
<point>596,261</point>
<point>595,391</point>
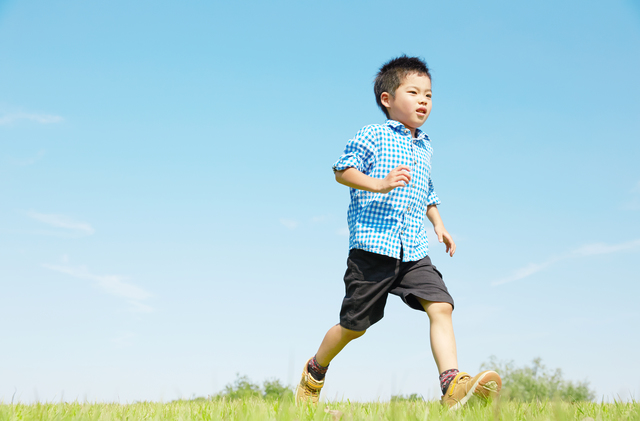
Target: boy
<point>388,170</point>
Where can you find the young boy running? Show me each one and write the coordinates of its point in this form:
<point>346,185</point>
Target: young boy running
<point>388,169</point>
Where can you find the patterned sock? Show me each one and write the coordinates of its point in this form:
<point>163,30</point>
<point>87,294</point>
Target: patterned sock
<point>446,377</point>
<point>317,371</point>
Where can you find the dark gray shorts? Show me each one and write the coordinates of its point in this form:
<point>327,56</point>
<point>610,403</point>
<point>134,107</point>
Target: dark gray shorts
<point>370,277</point>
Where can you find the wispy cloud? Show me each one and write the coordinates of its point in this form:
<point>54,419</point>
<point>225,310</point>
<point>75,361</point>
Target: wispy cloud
<point>602,248</point>
<point>28,161</point>
<point>109,284</point>
<point>634,202</point>
<point>582,251</point>
<point>344,231</point>
<point>138,307</point>
<point>306,222</point>
<point>62,221</point>
<point>38,118</point>
<point>289,223</point>
<point>123,340</point>
<point>526,271</point>
<point>319,219</point>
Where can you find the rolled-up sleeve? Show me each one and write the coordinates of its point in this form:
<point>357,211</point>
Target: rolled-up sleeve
<point>359,153</point>
<point>432,197</point>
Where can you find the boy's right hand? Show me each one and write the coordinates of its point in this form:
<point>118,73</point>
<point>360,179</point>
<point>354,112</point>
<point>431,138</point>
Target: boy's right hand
<point>400,176</point>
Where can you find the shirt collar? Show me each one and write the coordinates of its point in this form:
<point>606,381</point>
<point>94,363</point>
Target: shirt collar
<point>399,127</point>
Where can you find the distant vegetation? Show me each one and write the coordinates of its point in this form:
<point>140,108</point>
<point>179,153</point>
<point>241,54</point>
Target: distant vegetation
<point>406,398</point>
<point>537,383</point>
<point>243,388</point>
<point>525,384</point>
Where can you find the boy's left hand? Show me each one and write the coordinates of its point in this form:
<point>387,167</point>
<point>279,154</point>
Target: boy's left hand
<point>445,237</point>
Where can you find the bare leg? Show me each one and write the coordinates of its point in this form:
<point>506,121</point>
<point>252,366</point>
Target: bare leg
<point>336,338</point>
<point>443,341</point>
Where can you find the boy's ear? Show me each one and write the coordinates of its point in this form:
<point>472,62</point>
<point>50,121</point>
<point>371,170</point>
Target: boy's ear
<point>384,99</point>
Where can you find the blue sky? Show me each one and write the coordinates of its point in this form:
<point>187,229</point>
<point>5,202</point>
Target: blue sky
<point>169,217</point>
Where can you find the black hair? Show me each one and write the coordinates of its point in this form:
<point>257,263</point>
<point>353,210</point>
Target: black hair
<point>393,72</point>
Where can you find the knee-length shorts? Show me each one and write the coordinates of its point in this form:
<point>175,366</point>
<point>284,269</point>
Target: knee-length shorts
<point>371,277</point>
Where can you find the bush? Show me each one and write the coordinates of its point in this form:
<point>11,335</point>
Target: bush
<point>243,388</point>
<point>404,398</point>
<point>537,383</point>
<point>273,389</point>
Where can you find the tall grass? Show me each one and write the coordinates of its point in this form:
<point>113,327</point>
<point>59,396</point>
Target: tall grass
<point>283,409</point>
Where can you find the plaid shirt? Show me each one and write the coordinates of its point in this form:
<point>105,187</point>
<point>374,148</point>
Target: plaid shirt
<point>386,223</point>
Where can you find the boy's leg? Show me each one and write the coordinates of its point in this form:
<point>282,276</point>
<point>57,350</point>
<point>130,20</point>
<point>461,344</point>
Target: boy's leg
<point>457,387</point>
<point>443,341</point>
<point>368,279</point>
<point>312,380</point>
<point>334,341</point>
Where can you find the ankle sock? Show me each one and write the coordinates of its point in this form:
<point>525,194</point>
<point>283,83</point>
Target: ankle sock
<point>446,377</point>
<point>317,371</point>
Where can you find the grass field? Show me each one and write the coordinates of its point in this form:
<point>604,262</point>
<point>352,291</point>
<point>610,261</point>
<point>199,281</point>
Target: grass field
<point>283,409</point>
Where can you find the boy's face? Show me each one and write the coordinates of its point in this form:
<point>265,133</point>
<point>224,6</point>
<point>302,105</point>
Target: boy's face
<point>411,104</point>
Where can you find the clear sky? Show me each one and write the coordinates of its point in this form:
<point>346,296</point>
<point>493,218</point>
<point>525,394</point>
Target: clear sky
<point>169,217</point>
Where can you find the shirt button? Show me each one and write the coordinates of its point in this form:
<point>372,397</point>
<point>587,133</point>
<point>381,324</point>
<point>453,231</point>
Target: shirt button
<point>408,208</point>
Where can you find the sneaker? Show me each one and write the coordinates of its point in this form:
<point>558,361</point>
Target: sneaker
<point>308,389</point>
<point>485,385</point>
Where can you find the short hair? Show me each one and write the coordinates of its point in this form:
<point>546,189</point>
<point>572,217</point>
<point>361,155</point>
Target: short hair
<point>392,74</point>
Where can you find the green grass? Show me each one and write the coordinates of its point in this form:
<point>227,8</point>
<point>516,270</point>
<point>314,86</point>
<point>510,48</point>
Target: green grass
<point>283,409</point>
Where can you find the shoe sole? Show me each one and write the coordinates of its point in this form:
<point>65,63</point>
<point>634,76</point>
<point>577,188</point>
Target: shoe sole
<point>296,396</point>
<point>488,389</point>
<point>296,400</point>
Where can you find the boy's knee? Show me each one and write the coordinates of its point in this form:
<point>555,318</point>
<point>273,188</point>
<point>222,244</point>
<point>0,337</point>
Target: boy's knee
<point>437,309</point>
<point>352,334</point>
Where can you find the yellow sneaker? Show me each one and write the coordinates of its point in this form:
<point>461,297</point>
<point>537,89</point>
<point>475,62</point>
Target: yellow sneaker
<point>485,385</point>
<point>308,389</point>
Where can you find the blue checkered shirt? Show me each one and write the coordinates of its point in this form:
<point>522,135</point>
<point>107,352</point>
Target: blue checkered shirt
<point>387,223</point>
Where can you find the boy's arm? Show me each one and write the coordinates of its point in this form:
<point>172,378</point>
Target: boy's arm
<point>438,227</point>
<point>398,177</point>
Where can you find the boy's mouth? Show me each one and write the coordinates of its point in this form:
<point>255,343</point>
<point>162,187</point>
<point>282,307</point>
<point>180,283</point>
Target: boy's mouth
<point>422,110</point>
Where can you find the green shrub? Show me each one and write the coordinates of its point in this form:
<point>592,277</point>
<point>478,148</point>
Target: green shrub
<point>273,389</point>
<point>537,383</point>
<point>405,398</point>
<point>243,388</point>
